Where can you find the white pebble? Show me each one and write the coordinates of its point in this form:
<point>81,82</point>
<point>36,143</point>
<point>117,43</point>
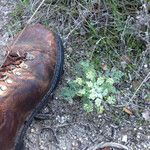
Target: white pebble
<point>145,66</point>
<point>124,138</point>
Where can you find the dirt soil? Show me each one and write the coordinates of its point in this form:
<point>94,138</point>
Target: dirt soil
<point>64,126</point>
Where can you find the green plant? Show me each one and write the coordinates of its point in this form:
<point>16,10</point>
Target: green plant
<point>25,2</point>
<point>18,12</point>
<point>94,88</point>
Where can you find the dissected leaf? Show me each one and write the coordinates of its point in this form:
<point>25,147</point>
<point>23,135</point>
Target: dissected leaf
<point>110,81</point>
<point>98,102</point>
<point>79,81</point>
<point>93,94</point>
<point>100,109</point>
<point>90,74</point>
<point>84,64</point>
<point>81,92</point>
<point>88,107</point>
<point>89,84</point>
<point>100,80</point>
<point>68,93</point>
<point>111,100</point>
<point>116,74</point>
<point>92,86</point>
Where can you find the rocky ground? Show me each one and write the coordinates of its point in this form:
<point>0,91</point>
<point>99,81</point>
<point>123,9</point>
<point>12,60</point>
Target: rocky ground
<point>6,8</point>
<point>64,126</point>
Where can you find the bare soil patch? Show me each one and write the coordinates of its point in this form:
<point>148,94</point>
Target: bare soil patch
<point>66,126</point>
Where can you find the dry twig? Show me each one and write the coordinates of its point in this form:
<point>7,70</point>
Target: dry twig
<point>145,79</point>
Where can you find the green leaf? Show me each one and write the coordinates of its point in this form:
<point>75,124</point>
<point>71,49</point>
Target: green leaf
<point>148,97</point>
<point>84,64</point>
<point>105,92</point>
<point>93,94</point>
<point>89,84</point>
<point>26,2</point>
<point>100,109</point>
<point>98,102</point>
<point>88,107</point>
<point>68,93</point>
<point>100,80</point>
<point>110,81</point>
<point>79,81</point>
<point>108,87</point>
<point>97,88</point>
<point>90,74</point>
<point>116,74</point>
<point>111,100</point>
<point>81,92</point>
<point>92,86</point>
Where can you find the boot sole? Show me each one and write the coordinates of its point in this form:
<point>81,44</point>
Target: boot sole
<point>56,78</point>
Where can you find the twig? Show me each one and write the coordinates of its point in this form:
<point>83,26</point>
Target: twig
<point>108,144</point>
<point>145,79</point>
<point>95,46</point>
<point>28,22</point>
<point>53,131</point>
<point>72,30</point>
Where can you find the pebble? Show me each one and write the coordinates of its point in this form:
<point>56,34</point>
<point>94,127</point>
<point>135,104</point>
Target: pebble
<point>4,11</point>
<point>124,138</point>
<point>32,130</point>
<point>145,66</point>
<point>138,135</point>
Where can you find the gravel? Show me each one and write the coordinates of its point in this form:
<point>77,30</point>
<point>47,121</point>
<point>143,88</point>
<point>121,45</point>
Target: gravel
<point>67,127</point>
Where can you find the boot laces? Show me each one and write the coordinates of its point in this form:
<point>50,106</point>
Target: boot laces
<point>12,59</point>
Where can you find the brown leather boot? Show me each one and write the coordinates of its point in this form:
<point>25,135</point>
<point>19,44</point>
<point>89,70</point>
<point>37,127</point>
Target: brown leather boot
<point>28,77</point>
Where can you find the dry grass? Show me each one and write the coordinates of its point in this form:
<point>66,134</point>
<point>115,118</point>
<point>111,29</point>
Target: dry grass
<point>107,32</point>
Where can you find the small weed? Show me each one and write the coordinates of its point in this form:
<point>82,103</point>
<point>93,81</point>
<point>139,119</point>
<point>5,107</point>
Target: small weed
<point>18,12</point>
<point>25,2</point>
<point>94,88</point>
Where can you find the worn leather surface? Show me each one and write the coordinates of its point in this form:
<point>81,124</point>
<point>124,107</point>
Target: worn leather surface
<point>36,48</point>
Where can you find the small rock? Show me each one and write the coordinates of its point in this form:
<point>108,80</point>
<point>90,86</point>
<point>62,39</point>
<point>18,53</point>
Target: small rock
<point>145,66</point>
<point>70,50</point>
<point>32,130</point>
<point>146,115</point>
<point>124,138</point>
<point>138,135</point>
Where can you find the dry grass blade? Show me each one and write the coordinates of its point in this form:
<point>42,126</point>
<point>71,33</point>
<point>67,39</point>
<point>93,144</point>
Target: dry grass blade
<point>145,79</point>
<point>29,21</point>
